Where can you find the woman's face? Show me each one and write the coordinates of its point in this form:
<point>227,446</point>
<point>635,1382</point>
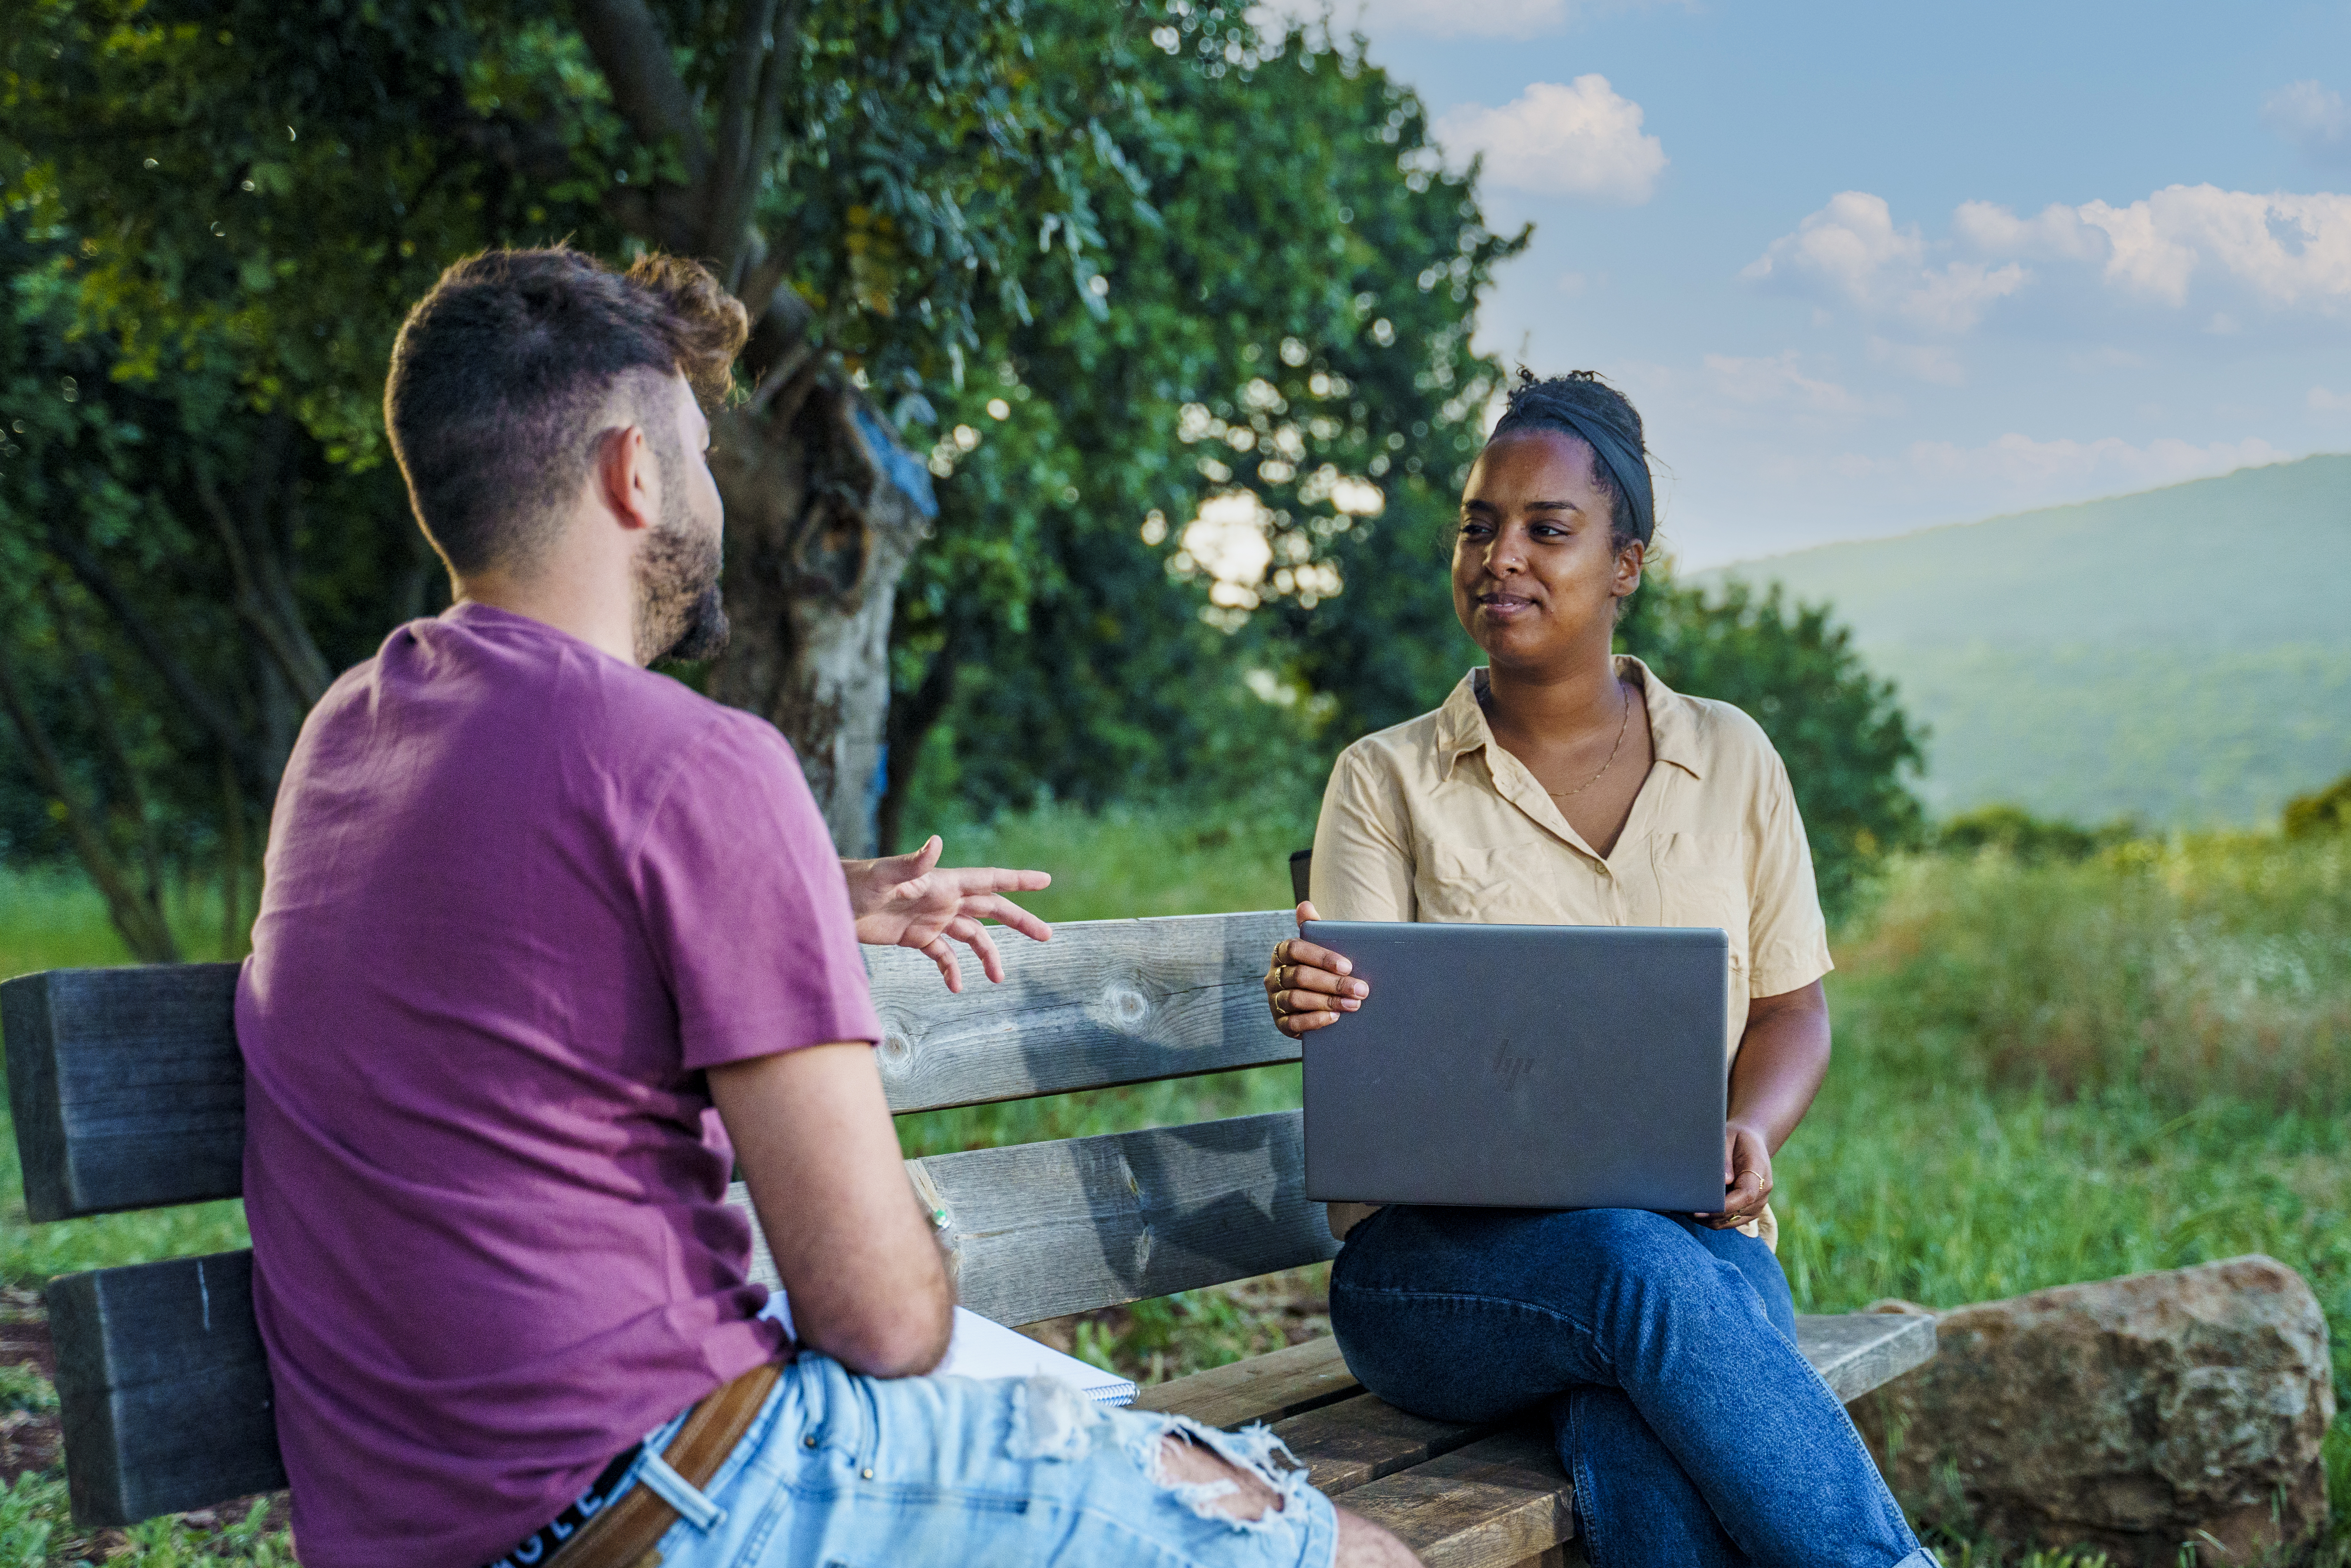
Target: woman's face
<point>1535,575</point>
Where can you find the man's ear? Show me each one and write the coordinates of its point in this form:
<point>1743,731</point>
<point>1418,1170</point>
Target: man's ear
<point>625,479</point>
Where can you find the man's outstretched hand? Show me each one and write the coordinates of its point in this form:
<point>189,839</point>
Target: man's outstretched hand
<point>910,900</point>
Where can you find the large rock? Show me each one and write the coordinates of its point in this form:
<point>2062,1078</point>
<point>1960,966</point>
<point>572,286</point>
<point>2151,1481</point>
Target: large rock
<point>2137,1415</point>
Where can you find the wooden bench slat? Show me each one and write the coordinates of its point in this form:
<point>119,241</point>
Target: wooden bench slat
<point>165,1392</point>
<point>1266,1387</point>
<point>1105,1002</point>
<point>1359,1440</point>
<point>1036,1230</point>
<point>126,1087</point>
<point>129,1093</point>
<point>1491,1504</point>
<point>1856,1352</point>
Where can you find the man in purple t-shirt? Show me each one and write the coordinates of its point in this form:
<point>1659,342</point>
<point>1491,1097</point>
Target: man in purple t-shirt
<point>549,944</point>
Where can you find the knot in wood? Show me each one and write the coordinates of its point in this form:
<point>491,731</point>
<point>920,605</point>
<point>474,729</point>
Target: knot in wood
<point>1125,1004</point>
<point>895,1048</point>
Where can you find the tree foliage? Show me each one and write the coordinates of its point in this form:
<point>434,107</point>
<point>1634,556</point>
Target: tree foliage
<point>1286,341</point>
<point>1153,232</point>
<point>1175,313</point>
<point>2326,810</point>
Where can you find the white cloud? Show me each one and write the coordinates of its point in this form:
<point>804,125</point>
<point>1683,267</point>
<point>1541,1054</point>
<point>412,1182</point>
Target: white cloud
<point>2322,401</point>
<point>2288,251</point>
<point>2058,231</point>
<point>1851,249</point>
<point>1926,362</point>
<point>1779,381</point>
<point>1578,140</point>
<point>2282,252</point>
<point>2018,462</point>
<point>2314,118</point>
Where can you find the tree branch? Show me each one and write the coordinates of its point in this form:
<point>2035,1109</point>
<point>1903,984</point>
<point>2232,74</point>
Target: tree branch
<point>297,656</point>
<point>765,52</point>
<point>80,661</point>
<point>634,57</point>
<point>142,927</point>
<point>737,125</point>
<point>193,700</point>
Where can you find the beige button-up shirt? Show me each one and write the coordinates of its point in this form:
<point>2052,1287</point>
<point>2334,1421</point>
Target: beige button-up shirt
<point>1434,820</point>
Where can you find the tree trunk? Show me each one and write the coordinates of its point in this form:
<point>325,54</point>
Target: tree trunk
<point>823,510</point>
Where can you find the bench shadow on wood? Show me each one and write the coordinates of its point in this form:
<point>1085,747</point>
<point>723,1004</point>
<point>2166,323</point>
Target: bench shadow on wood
<point>128,1092</point>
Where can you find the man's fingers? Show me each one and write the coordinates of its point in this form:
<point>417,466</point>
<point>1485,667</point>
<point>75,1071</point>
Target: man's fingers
<point>991,907</point>
<point>991,962</point>
<point>939,952</point>
<point>971,881</point>
<point>928,855</point>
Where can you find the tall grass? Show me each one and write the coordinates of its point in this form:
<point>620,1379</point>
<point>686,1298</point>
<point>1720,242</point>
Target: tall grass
<point>2208,967</point>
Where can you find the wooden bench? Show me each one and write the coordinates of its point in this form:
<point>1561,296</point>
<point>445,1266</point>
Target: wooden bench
<point>129,1093</point>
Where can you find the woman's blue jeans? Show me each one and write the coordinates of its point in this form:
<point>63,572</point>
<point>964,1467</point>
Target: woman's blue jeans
<point>1695,1432</point>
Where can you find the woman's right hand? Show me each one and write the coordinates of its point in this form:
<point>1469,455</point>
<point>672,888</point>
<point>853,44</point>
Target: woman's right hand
<point>1309,987</point>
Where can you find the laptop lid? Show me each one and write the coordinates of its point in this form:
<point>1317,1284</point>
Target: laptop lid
<point>1523,1067</point>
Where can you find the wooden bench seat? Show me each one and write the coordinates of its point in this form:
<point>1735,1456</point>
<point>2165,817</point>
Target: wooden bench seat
<point>128,1092</point>
<point>1468,1494</point>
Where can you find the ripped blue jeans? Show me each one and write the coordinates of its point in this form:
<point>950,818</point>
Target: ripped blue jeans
<point>844,1471</point>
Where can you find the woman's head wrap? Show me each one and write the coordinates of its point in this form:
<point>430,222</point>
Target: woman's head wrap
<point>1588,408</point>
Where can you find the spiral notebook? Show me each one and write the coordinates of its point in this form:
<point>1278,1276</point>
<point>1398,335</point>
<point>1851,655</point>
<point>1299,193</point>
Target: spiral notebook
<point>982,1348</point>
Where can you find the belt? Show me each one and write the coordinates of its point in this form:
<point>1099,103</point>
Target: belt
<point>625,1533</point>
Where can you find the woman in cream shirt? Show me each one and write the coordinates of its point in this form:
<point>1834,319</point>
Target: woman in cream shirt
<point>1561,785</point>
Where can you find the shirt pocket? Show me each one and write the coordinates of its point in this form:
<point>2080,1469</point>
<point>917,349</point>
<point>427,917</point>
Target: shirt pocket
<point>1471,886</point>
<point>1702,881</point>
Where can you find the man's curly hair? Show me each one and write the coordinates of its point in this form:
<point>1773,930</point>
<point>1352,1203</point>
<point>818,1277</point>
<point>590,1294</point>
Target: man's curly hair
<point>500,371</point>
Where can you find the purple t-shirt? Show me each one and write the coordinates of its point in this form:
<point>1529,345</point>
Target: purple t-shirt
<point>519,892</point>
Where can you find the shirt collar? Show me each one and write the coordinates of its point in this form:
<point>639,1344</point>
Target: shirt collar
<point>1461,726</point>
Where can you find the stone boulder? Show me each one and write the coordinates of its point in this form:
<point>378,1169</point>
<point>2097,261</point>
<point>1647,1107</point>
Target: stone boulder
<point>2137,1415</point>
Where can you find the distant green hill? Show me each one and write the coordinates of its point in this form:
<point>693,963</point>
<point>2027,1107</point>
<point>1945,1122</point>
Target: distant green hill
<point>2182,656</point>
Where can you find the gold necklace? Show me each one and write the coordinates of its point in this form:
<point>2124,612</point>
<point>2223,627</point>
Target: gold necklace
<point>1622,724</point>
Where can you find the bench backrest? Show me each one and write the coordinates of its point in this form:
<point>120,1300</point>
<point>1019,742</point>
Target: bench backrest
<point>129,1093</point>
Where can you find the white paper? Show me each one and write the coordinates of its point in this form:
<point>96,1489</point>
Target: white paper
<point>981,1347</point>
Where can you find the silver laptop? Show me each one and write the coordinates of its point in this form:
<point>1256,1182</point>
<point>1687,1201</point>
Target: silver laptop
<point>1523,1067</point>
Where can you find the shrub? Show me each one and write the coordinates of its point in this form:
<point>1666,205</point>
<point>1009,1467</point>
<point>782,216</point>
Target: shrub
<point>2326,810</point>
<point>2018,832</point>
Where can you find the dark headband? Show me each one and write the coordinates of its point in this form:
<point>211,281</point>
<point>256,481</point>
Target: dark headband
<point>1624,463</point>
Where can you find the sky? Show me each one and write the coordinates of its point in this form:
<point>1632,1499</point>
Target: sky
<point>1868,268</point>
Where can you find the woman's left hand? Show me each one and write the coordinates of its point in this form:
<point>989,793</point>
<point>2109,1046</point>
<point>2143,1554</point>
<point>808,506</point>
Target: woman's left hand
<point>1746,1177</point>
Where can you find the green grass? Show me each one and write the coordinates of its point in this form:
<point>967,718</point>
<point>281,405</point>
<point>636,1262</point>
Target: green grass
<point>2044,1075</point>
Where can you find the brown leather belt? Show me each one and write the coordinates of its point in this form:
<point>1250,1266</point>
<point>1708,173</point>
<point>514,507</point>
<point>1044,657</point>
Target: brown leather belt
<point>625,1533</point>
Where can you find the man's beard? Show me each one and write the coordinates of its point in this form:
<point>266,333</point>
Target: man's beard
<point>679,611</point>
